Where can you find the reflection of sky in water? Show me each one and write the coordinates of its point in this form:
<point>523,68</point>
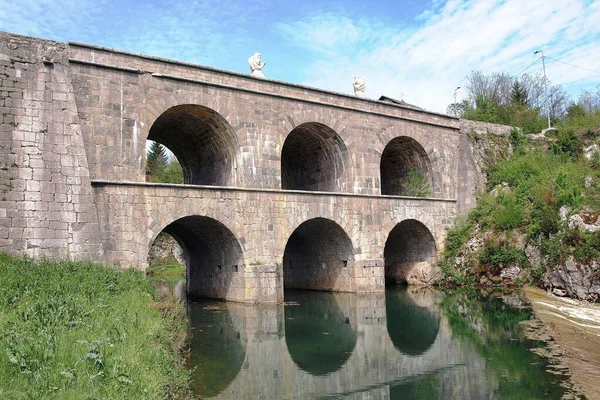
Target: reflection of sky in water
<point>404,344</point>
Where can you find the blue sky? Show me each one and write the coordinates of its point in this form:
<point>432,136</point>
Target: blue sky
<point>419,51</point>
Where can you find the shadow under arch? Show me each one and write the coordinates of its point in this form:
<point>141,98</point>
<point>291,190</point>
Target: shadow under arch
<point>218,349</point>
<point>412,328</point>
<point>401,155</point>
<point>313,157</point>
<point>202,141</point>
<point>214,257</point>
<point>319,256</point>
<point>319,337</point>
<point>409,249</point>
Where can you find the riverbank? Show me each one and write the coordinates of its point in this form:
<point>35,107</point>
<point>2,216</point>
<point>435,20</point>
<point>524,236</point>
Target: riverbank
<point>538,222</point>
<point>574,326</point>
<point>79,330</point>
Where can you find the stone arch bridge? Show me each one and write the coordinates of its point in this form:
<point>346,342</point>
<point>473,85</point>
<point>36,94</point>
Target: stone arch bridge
<point>285,185</point>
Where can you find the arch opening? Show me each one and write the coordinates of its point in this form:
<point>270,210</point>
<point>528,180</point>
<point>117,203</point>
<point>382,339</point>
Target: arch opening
<point>405,169</point>
<point>409,254</point>
<point>202,141</point>
<point>319,256</point>
<point>161,164</point>
<point>213,256</point>
<point>319,337</point>
<point>314,158</point>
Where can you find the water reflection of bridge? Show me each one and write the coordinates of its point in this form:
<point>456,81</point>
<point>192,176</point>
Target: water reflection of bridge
<point>332,344</point>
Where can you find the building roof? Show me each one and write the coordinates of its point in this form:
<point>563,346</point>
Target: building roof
<point>400,102</point>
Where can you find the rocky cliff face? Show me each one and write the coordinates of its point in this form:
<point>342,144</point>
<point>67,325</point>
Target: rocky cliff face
<point>580,280</point>
<point>481,144</point>
<point>539,223</point>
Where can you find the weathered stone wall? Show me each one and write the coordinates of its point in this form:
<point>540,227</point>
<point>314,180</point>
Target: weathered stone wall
<point>481,144</point>
<point>120,96</point>
<point>133,214</point>
<point>46,204</point>
<point>73,115</point>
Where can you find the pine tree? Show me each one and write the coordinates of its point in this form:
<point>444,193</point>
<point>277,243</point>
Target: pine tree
<point>518,94</point>
<point>156,162</point>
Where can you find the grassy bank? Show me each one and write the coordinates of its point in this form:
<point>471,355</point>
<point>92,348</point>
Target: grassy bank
<point>77,330</point>
<point>523,219</point>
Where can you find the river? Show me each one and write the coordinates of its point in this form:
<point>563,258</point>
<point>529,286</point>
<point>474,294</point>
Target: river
<point>405,344</point>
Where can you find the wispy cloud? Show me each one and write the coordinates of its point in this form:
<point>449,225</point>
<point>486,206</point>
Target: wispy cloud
<point>204,32</point>
<point>325,44</point>
<point>425,62</point>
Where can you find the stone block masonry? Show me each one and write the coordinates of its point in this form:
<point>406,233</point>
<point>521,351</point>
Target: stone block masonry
<point>286,185</point>
<point>46,204</point>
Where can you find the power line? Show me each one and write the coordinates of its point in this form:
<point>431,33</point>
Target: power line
<point>562,62</point>
<point>530,65</point>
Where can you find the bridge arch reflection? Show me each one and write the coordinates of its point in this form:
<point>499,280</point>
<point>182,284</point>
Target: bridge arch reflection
<point>412,326</point>
<point>288,355</point>
<point>319,334</point>
<point>219,349</point>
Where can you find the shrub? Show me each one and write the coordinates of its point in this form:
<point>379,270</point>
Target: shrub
<point>497,256</point>
<point>416,184</point>
<point>509,214</point>
<point>568,143</point>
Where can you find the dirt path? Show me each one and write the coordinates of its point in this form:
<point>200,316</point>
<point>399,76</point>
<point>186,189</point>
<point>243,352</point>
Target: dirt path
<point>575,327</point>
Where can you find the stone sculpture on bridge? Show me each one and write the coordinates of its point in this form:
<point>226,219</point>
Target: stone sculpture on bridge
<point>359,86</point>
<point>256,65</point>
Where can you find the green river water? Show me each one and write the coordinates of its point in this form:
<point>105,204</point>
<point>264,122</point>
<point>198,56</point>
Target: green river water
<point>404,344</point>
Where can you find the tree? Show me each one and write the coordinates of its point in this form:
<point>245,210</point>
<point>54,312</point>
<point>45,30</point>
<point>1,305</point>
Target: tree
<point>503,99</point>
<point>575,111</point>
<point>559,101</point>
<point>416,184</point>
<point>458,109</point>
<point>173,173</point>
<point>518,94</point>
<point>589,100</point>
<point>156,162</point>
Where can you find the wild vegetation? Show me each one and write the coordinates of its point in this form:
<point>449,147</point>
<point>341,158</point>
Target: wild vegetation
<point>530,197</point>
<point>163,263</point>
<point>416,184</point>
<point>160,167</point>
<point>78,330</point>
<point>524,101</point>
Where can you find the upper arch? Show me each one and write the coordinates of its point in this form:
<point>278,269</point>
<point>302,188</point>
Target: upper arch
<point>204,143</point>
<point>400,157</point>
<point>313,157</point>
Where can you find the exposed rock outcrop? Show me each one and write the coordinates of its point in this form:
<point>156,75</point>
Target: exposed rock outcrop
<point>577,280</point>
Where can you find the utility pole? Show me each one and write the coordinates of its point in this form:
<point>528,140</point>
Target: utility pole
<point>546,85</point>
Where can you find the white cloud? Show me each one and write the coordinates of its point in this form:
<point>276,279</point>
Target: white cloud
<point>195,31</point>
<point>425,63</point>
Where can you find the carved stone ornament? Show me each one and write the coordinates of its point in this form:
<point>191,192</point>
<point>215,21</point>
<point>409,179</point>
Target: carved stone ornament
<point>256,65</point>
<point>359,86</point>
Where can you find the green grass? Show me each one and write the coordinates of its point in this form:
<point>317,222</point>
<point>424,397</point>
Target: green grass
<point>169,269</point>
<point>77,330</point>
